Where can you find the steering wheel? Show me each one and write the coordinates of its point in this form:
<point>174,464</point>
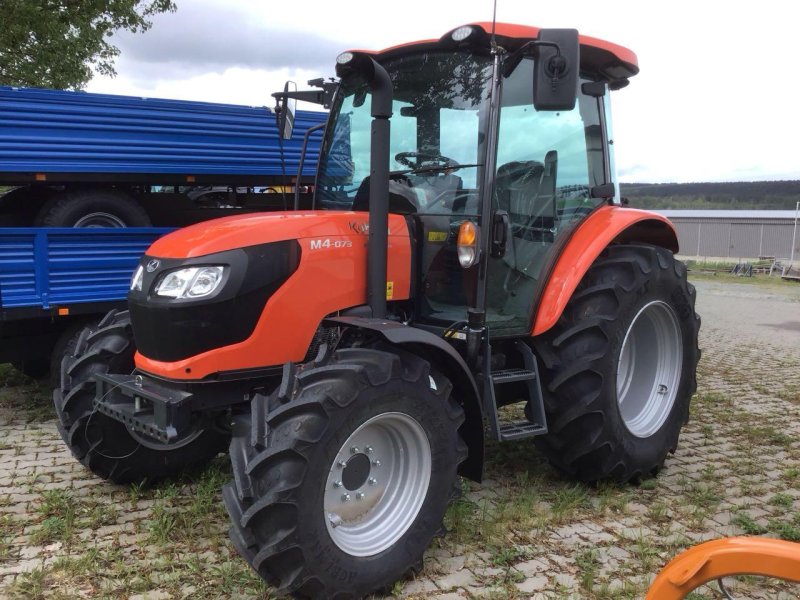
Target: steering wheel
<point>416,160</point>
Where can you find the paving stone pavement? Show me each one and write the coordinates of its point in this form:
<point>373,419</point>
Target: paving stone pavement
<point>523,533</point>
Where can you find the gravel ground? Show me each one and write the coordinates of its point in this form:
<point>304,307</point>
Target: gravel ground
<point>523,533</point>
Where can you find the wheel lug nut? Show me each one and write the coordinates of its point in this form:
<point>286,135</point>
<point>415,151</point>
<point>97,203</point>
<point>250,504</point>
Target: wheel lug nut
<point>337,484</point>
<point>334,519</point>
<point>345,497</point>
<point>372,481</point>
<point>368,449</point>
<point>342,464</point>
<point>376,463</point>
<point>354,450</point>
<point>359,496</point>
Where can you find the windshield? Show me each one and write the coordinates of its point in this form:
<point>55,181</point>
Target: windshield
<point>438,130</point>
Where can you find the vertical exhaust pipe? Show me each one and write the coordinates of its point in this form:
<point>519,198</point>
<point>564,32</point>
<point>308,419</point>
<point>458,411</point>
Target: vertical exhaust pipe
<point>363,67</point>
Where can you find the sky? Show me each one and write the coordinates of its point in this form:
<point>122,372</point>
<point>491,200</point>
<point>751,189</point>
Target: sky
<point>715,99</point>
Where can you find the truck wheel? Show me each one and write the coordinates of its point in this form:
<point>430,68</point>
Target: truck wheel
<point>41,367</point>
<point>92,208</point>
<point>338,490</point>
<point>106,446</point>
<point>35,368</point>
<point>620,366</point>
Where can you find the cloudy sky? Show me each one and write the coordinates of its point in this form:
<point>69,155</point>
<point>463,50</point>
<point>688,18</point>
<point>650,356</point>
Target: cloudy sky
<point>715,100</point>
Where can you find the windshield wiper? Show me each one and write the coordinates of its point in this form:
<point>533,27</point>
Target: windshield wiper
<point>430,169</point>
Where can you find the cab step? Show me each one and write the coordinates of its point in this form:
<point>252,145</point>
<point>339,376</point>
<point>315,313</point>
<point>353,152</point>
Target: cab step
<point>512,375</point>
<point>520,429</point>
<point>536,424</point>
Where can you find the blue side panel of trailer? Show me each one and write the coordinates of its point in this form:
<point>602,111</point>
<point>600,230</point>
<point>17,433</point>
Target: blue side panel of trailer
<point>50,267</point>
<point>49,131</point>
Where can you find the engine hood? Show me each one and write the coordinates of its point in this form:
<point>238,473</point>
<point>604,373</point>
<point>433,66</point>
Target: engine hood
<point>241,231</point>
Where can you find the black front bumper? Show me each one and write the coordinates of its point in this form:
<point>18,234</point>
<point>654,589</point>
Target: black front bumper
<point>168,411</point>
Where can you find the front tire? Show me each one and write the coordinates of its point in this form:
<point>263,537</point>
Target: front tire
<point>102,444</point>
<point>339,489</point>
<point>620,366</point>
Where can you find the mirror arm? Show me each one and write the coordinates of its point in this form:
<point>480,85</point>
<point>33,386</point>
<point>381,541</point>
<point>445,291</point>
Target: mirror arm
<point>527,49</point>
<point>313,96</point>
<point>323,96</point>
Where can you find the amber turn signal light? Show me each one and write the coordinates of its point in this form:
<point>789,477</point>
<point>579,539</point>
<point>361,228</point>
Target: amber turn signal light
<point>467,244</point>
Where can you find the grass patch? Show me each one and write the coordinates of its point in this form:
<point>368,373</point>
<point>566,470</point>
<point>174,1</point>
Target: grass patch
<point>781,499</point>
<point>58,509</point>
<point>588,563</point>
<point>748,524</point>
<point>765,434</point>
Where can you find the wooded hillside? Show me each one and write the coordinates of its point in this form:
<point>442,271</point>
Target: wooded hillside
<point>765,195</point>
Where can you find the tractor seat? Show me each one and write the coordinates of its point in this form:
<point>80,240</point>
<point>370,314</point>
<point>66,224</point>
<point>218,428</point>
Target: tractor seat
<point>439,190</point>
<point>516,185</point>
<point>403,199</point>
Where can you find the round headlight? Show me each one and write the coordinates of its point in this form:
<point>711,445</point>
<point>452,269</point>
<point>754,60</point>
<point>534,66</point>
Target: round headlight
<point>344,58</point>
<point>462,33</point>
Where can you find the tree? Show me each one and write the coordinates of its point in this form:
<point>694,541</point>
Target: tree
<point>61,43</point>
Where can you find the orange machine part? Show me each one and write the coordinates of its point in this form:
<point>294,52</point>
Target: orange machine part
<point>331,277</point>
<point>723,558</point>
<point>605,225</point>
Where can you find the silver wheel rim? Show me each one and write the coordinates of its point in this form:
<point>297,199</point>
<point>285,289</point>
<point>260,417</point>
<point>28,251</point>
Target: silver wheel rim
<point>99,219</point>
<point>377,484</point>
<point>649,369</point>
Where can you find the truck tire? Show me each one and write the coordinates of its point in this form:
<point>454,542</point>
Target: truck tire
<point>42,367</point>
<point>339,489</point>
<point>106,446</point>
<point>92,208</point>
<point>35,368</point>
<point>620,367</point>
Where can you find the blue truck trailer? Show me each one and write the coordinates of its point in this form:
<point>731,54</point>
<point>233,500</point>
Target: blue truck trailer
<point>90,180</point>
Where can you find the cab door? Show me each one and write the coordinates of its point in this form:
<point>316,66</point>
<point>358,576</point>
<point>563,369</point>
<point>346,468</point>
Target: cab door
<point>547,164</point>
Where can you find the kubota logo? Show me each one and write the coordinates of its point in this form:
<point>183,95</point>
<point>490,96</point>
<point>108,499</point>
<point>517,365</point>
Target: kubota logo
<point>362,228</point>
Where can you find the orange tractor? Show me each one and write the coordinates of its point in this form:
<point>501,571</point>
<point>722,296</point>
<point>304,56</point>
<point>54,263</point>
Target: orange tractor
<point>468,251</point>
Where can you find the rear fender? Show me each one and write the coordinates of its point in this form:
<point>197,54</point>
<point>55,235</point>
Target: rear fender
<point>607,225</point>
<point>447,360</point>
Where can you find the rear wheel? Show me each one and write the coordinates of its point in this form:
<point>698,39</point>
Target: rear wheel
<point>92,208</point>
<point>106,446</point>
<point>338,491</point>
<point>620,366</point>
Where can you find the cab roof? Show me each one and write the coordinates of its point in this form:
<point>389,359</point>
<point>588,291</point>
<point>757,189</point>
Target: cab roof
<point>606,60</point>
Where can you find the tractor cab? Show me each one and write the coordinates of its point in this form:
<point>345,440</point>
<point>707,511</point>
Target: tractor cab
<point>512,179</point>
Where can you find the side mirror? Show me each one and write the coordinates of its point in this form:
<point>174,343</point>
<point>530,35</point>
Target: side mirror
<point>555,81</point>
<point>286,109</point>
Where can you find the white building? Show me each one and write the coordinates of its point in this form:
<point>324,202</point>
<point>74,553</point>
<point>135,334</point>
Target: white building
<point>736,234</point>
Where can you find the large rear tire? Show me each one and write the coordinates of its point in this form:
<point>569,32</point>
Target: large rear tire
<point>92,208</point>
<point>106,446</point>
<point>620,366</point>
<point>339,489</point>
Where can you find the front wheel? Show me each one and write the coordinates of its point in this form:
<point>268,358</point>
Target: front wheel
<point>620,366</point>
<point>339,489</point>
<point>104,445</point>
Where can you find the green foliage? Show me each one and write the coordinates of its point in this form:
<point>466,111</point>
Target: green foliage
<point>742,195</point>
<point>59,43</point>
